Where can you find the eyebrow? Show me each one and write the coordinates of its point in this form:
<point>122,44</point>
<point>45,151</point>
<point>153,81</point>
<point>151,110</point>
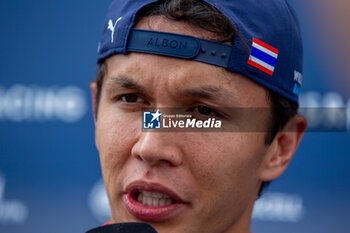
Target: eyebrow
<point>208,92</point>
<point>123,81</point>
<point>203,92</point>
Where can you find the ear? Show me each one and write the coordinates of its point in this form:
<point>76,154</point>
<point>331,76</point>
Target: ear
<point>282,149</point>
<point>93,89</point>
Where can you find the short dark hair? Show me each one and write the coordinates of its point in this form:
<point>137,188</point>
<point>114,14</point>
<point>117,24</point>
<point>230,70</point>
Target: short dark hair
<point>203,15</point>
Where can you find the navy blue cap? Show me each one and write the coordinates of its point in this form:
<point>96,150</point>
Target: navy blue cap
<point>269,28</point>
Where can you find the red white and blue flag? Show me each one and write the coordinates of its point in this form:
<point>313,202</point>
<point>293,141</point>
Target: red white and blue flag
<point>263,56</point>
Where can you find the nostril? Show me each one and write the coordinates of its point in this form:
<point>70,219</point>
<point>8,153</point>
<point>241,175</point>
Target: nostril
<point>139,157</point>
<point>167,162</point>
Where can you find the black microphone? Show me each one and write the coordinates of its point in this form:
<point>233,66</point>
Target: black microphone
<point>125,227</point>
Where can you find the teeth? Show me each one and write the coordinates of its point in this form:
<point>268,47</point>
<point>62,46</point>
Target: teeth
<point>149,201</point>
<point>161,202</point>
<point>140,197</point>
<point>155,202</point>
<point>153,199</point>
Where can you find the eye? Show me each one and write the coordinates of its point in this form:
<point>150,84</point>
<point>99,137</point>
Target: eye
<point>206,111</point>
<point>131,98</point>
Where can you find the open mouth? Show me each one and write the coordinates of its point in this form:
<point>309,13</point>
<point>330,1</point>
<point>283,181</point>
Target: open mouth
<point>152,202</point>
<point>152,198</point>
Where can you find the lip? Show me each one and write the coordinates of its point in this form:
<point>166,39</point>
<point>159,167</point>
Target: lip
<point>152,213</point>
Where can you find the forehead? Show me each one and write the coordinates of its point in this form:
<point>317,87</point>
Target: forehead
<point>167,73</point>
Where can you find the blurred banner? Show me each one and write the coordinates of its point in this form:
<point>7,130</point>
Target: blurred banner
<point>50,178</point>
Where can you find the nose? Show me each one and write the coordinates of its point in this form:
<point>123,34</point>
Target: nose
<point>157,148</point>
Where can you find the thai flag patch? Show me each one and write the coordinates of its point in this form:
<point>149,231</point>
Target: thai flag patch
<point>263,56</point>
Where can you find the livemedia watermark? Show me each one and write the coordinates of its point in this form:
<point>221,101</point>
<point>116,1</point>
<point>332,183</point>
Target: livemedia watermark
<point>207,119</point>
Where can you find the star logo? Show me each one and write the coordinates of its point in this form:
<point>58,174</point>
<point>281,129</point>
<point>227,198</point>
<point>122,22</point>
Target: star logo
<point>151,120</point>
<point>156,115</point>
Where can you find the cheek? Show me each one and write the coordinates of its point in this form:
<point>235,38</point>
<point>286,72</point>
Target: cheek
<point>226,167</point>
<point>116,132</point>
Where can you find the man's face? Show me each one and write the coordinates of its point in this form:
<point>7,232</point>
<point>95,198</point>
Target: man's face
<point>197,181</point>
